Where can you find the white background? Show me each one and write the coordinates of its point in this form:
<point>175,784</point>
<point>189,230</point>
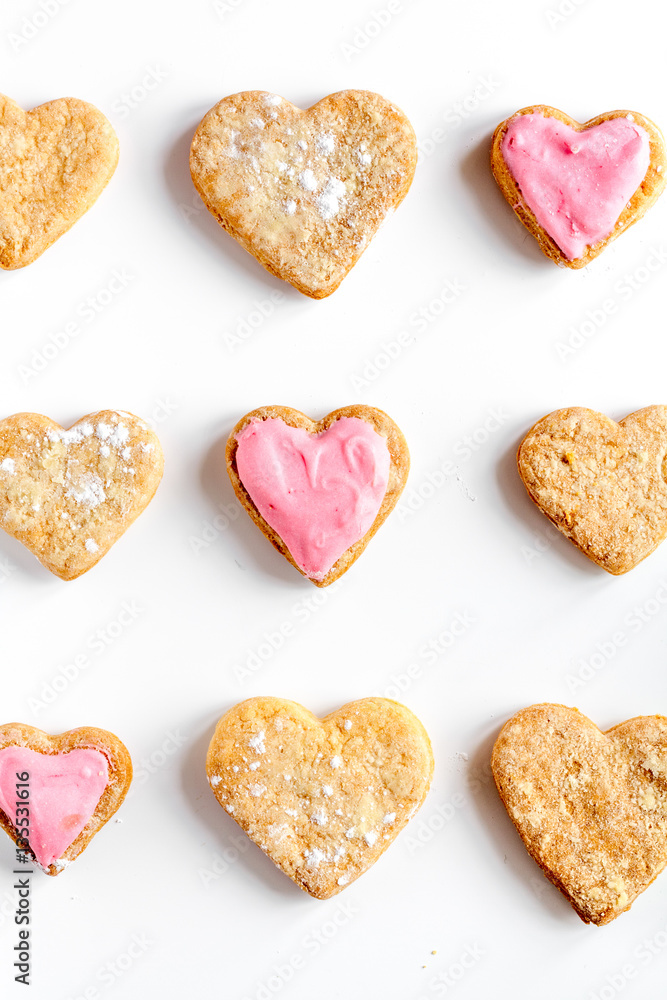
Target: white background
<point>457,881</point>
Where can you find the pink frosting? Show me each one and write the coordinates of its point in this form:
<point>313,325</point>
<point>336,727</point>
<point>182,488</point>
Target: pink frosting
<point>319,492</point>
<point>64,789</point>
<point>576,184</point>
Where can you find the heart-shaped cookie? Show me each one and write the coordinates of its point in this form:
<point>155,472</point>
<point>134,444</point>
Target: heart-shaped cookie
<point>54,163</point>
<point>57,792</point>
<point>318,490</point>
<point>304,191</point>
<point>577,187</point>
<point>68,495</point>
<point>323,798</point>
<point>591,807</point>
<point>601,483</point>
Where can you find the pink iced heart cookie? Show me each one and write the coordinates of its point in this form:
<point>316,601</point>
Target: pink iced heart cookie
<point>56,792</point>
<point>318,490</point>
<point>577,187</point>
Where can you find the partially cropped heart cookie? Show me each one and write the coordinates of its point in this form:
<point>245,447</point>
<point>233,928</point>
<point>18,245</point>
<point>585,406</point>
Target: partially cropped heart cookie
<point>68,495</point>
<point>323,798</point>
<point>318,490</point>
<point>304,191</point>
<point>54,162</point>
<point>57,792</point>
<point>601,483</point>
<point>577,187</point>
<point>591,807</point>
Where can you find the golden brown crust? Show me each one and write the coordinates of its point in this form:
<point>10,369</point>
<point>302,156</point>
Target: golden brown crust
<point>120,775</point>
<point>322,798</point>
<point>68,495</point>
<point>590,807</point>
<point>644,197</point>
<point>600,482</point>
<point>54,163</point>
<point>272,176</point>
<point>398,473</point>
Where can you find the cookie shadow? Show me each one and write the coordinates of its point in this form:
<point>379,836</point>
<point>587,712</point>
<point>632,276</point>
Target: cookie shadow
<point>257,552</point>
<point>205,229</point>
<point>17,561</point>
<point>226,837</point>
<point>516,498</point>
<point>505,840</point>
<point>493,212</point>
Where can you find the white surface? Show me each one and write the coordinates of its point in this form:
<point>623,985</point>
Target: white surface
<point>476,547</point>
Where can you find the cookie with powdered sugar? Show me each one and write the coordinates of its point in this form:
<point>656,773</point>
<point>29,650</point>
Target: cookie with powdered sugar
<point>322,798</point>
<point>54,163</point>
<point>304,191</point>
<point>68,495</point>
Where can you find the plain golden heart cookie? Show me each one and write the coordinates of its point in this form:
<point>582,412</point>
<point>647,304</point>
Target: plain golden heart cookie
<point>304,191</point>
<point>576,187</point>
<point>323,799</point>
<point>601,483</point>
<point>591,807</point>
<point>318,490</point>
<point>68,495</point>
<point>54,163</point>
<point>57,792</point>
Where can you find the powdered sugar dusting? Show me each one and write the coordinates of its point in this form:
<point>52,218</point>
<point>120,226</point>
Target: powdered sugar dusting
<point>256,743</point>
<point>8,465</point>
<point>314,857</point>
<point>326,143</point>
<point>89,490</point>
<point>307,180</point>
<point>329,202</point>
<point>115,435</point>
